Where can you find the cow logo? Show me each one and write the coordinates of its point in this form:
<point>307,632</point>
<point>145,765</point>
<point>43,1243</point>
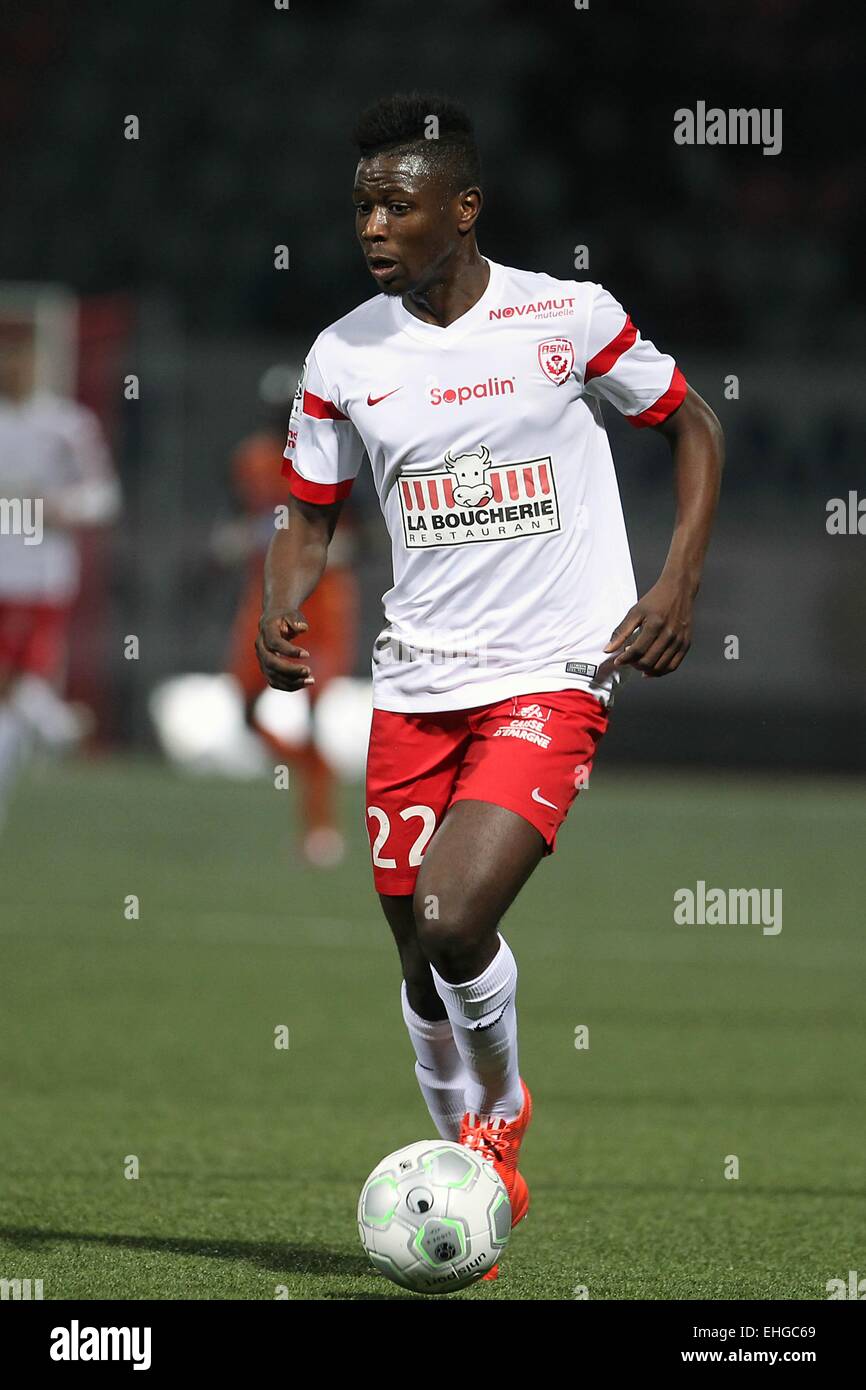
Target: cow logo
<point>474,499</point>
<point>556,359</point>
<point>472,489</point>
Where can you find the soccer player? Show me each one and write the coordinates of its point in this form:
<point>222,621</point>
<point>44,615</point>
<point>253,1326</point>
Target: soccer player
<point>56,476</point>
<point>475,391</point>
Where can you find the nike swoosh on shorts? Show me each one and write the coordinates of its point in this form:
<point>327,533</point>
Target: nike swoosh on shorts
<point>536,796</point>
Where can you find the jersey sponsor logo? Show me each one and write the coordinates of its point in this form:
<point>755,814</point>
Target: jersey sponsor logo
<point>529,711</point>
<point>296,411</point>
<point>473,499</point>
<point>374,400</point>
<point>529,730</point>
<point>297,402</point>
<point>493,386</point>
<point>537,309</point>
<point>556,359</point>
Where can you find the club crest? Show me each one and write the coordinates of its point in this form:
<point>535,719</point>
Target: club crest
<point>556,358</point>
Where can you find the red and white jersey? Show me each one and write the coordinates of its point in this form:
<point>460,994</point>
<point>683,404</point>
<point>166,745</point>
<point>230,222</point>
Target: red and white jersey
<point>495,477</point>
<point>52,450</point>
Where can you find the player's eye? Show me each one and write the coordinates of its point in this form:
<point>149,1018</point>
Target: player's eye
<point>398,208</point>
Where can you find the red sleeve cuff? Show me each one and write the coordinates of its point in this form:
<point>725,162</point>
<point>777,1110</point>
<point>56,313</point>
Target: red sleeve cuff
<point>307,491</point>
<point>665,405</point>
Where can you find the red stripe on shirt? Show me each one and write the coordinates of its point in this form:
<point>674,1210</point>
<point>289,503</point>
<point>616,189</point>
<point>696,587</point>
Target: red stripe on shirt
<point>308,491</point>
<point>665,405</point>
<point>603,361</point>
<point>321,409</point>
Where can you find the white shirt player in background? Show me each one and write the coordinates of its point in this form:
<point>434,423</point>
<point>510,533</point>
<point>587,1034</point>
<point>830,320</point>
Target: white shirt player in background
<point>475,392</point>
<point>56,475</point>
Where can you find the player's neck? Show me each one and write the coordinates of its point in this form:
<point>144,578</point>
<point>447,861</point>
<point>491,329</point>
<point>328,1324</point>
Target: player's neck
<point>452,296</point>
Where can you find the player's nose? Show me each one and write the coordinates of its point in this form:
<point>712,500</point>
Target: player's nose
<point>376,226</point>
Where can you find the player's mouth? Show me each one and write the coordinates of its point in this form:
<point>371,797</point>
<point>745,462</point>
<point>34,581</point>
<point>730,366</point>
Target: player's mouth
<point>382,267</point>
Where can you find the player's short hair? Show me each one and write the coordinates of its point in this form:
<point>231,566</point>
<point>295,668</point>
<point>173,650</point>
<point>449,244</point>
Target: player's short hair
<point>402,122</point>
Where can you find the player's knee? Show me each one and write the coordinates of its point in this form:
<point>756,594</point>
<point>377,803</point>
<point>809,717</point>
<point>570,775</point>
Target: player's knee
<point>448,933</point>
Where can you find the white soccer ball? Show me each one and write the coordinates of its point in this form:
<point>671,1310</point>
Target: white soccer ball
<point>434,1216</point>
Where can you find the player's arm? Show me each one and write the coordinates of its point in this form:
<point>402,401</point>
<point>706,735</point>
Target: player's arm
<point>294,564</point>
<point>655,634</point>
<point>322,456</point>
<point>646,386</point>
<point>91,495</point>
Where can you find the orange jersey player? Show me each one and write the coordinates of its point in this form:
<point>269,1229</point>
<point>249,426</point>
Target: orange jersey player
<point>332,615</point>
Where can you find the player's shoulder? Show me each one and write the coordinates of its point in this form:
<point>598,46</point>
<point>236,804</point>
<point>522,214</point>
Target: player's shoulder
<point>61,412</point>
<point>536,295</point>
<point>369,322</point>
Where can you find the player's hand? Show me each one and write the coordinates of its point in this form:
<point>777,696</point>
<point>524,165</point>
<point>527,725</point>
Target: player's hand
<point>656,633</point>
<point>281,659</point>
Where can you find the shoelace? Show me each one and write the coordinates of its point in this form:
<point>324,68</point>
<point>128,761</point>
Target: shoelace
<point>487,1140</point>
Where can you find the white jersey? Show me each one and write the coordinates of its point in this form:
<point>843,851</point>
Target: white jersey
<point>495,477</point>
<point>51,449</point>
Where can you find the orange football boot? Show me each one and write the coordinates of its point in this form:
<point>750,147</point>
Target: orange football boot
<point>499,1141</point>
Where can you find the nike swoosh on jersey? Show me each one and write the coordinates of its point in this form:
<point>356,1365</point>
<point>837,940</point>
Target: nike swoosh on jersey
<point>536,796</point>
<point>374,400</point>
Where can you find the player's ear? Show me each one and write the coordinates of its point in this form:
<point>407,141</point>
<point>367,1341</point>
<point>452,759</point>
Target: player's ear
<point>469,202</point>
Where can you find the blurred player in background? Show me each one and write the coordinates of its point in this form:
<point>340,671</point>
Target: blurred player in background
<point>332,612</point>
<point>56,475</point>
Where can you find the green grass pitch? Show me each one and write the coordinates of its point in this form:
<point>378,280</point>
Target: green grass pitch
<point>155,1038</point>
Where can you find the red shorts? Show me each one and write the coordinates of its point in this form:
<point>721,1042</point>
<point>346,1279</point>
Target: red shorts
<point>33,638</point>
<point>528,753</point>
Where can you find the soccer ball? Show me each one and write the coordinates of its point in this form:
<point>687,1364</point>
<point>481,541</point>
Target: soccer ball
<point>434,1216</point>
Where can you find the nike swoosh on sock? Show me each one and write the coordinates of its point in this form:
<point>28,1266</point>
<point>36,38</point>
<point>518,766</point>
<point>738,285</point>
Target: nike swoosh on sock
<point>482,1027</point>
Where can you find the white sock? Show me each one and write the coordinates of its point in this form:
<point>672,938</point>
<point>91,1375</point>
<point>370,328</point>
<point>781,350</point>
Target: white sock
<point>14,746</point>
<point>483,1018</point>
<point>439,1068</point>
<point>53,721</point>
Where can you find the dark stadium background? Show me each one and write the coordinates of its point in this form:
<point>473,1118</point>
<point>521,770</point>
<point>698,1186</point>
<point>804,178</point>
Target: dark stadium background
<point>734,261</point>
